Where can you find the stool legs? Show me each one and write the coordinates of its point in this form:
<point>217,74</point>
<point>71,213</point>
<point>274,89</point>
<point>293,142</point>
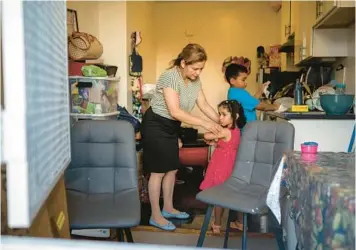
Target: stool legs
<point>205,226</point>
<point>227,230</point>
<point>244,237</point>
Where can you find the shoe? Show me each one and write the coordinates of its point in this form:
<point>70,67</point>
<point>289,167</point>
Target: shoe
<point>168,227</point>
<point>180,215</point>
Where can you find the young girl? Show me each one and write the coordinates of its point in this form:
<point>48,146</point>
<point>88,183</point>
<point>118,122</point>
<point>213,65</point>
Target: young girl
<point>221,165</point>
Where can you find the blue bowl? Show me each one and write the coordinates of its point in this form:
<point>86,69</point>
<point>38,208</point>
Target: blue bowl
<point>336,104</point>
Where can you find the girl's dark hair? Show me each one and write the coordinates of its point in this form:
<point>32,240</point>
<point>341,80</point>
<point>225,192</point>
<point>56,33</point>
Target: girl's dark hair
<point>192,53</point>
<point>234,107</point>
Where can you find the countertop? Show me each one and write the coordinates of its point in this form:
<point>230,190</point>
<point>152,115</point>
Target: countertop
<point>322,189</point>
<point>313,115</point>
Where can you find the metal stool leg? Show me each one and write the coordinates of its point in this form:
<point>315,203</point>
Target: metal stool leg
<point>227,230</point>
<point>128,235</point>
<point>120,235</point>
<point>205,225</point>
<point>244,237</point>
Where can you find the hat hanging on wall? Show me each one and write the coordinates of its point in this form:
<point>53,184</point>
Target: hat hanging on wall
<point>137,37</point>
<point>244,61</point>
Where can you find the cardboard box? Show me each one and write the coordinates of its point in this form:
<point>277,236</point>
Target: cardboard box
<point>50,222</point>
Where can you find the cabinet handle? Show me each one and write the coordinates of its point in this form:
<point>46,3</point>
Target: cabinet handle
<point>301,54</point>
<point>287,30</point>
<point>319,8</point>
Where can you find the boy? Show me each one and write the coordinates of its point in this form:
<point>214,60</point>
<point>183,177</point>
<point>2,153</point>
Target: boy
<point>236,76</point>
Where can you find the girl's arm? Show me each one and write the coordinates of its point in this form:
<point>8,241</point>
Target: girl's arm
<point>206,108</point>
<point>225,134</point>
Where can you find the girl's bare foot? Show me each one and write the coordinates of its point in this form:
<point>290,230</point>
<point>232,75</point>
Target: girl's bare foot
<point>215,228</point>
<point>237,225</point>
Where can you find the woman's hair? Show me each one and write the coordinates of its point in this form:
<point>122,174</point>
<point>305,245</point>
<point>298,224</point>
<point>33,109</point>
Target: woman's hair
<point>192,53</point>
<point>234,107</point>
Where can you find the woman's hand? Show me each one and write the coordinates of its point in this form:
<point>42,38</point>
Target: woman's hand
<point>212,127</point>
<point>180,143</point>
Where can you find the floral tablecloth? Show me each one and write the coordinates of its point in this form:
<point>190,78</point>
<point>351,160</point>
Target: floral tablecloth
<point>322,189</point>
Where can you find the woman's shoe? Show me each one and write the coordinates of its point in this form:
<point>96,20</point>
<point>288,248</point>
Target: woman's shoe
<point>168,227</point>
<point>180,215</point>
<point>215,228</point>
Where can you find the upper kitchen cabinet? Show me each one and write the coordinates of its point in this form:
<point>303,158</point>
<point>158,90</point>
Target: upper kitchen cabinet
<point>327,45</point>
<point>334,14</point>
<point>290,18</point>
<point>305,17</point>
<point>285,20</point>
<point>290,23</point>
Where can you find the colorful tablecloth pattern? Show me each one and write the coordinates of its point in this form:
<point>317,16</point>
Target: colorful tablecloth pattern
<point>322,189</point>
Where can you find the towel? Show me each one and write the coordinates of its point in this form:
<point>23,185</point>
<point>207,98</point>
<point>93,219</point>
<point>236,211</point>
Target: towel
<point>274,192</point>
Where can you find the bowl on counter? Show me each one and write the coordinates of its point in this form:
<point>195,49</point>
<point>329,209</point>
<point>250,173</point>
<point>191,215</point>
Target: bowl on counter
<point>336,104</point>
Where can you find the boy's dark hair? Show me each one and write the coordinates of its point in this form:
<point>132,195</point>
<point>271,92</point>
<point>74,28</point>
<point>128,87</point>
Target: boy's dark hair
<point>233,71</point>
<point>234,107</point>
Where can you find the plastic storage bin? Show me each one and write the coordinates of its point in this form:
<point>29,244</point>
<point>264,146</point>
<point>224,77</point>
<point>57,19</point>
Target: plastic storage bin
<point>93,95</point>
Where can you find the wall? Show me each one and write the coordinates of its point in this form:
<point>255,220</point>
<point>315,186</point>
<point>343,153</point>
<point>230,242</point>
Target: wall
<point>107,21</point>
<point>112,22</point>
<point>223,29</point>
<point>349,63</point>
<point>112,34</point>
<point>87,14</point>
<point>140,18</point>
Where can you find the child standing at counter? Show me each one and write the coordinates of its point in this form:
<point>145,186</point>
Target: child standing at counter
<point>236,75</point>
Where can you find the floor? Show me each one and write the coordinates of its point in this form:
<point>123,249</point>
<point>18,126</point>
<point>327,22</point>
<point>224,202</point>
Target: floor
<point>180,239</point>
<point>188,231</point>
<point>185,238</point>
<point>188,181</point>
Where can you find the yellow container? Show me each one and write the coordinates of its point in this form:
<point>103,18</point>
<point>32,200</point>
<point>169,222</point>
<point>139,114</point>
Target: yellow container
<point>300,108</point>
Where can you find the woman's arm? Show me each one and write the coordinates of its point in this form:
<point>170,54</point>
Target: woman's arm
<point>172,100</point>
<point>206,108</point>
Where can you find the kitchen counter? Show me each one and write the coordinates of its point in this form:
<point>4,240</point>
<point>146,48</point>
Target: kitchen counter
<point>310,115</point>
<point>332,132</point>
<point>322,189</point>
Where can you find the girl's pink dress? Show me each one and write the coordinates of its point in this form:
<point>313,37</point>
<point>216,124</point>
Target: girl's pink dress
<point>222,161</point>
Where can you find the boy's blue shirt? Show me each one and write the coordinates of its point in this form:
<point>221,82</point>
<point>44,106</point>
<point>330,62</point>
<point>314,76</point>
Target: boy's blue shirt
<point>247,101</point>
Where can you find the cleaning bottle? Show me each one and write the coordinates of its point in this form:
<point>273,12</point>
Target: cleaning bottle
<point>298,93</point>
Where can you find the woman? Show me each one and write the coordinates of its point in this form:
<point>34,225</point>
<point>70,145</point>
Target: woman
<point>178,90</point>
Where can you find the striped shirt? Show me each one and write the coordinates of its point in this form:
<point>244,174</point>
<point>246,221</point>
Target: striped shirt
<point>188,93</point>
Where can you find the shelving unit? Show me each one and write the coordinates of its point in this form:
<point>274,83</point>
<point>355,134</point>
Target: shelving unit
<point>116,79</point>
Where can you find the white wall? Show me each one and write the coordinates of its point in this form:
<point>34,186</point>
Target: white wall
<point>112,34</point>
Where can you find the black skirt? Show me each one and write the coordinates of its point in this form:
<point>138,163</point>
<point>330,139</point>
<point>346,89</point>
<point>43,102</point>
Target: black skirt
<point>160,143</point>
